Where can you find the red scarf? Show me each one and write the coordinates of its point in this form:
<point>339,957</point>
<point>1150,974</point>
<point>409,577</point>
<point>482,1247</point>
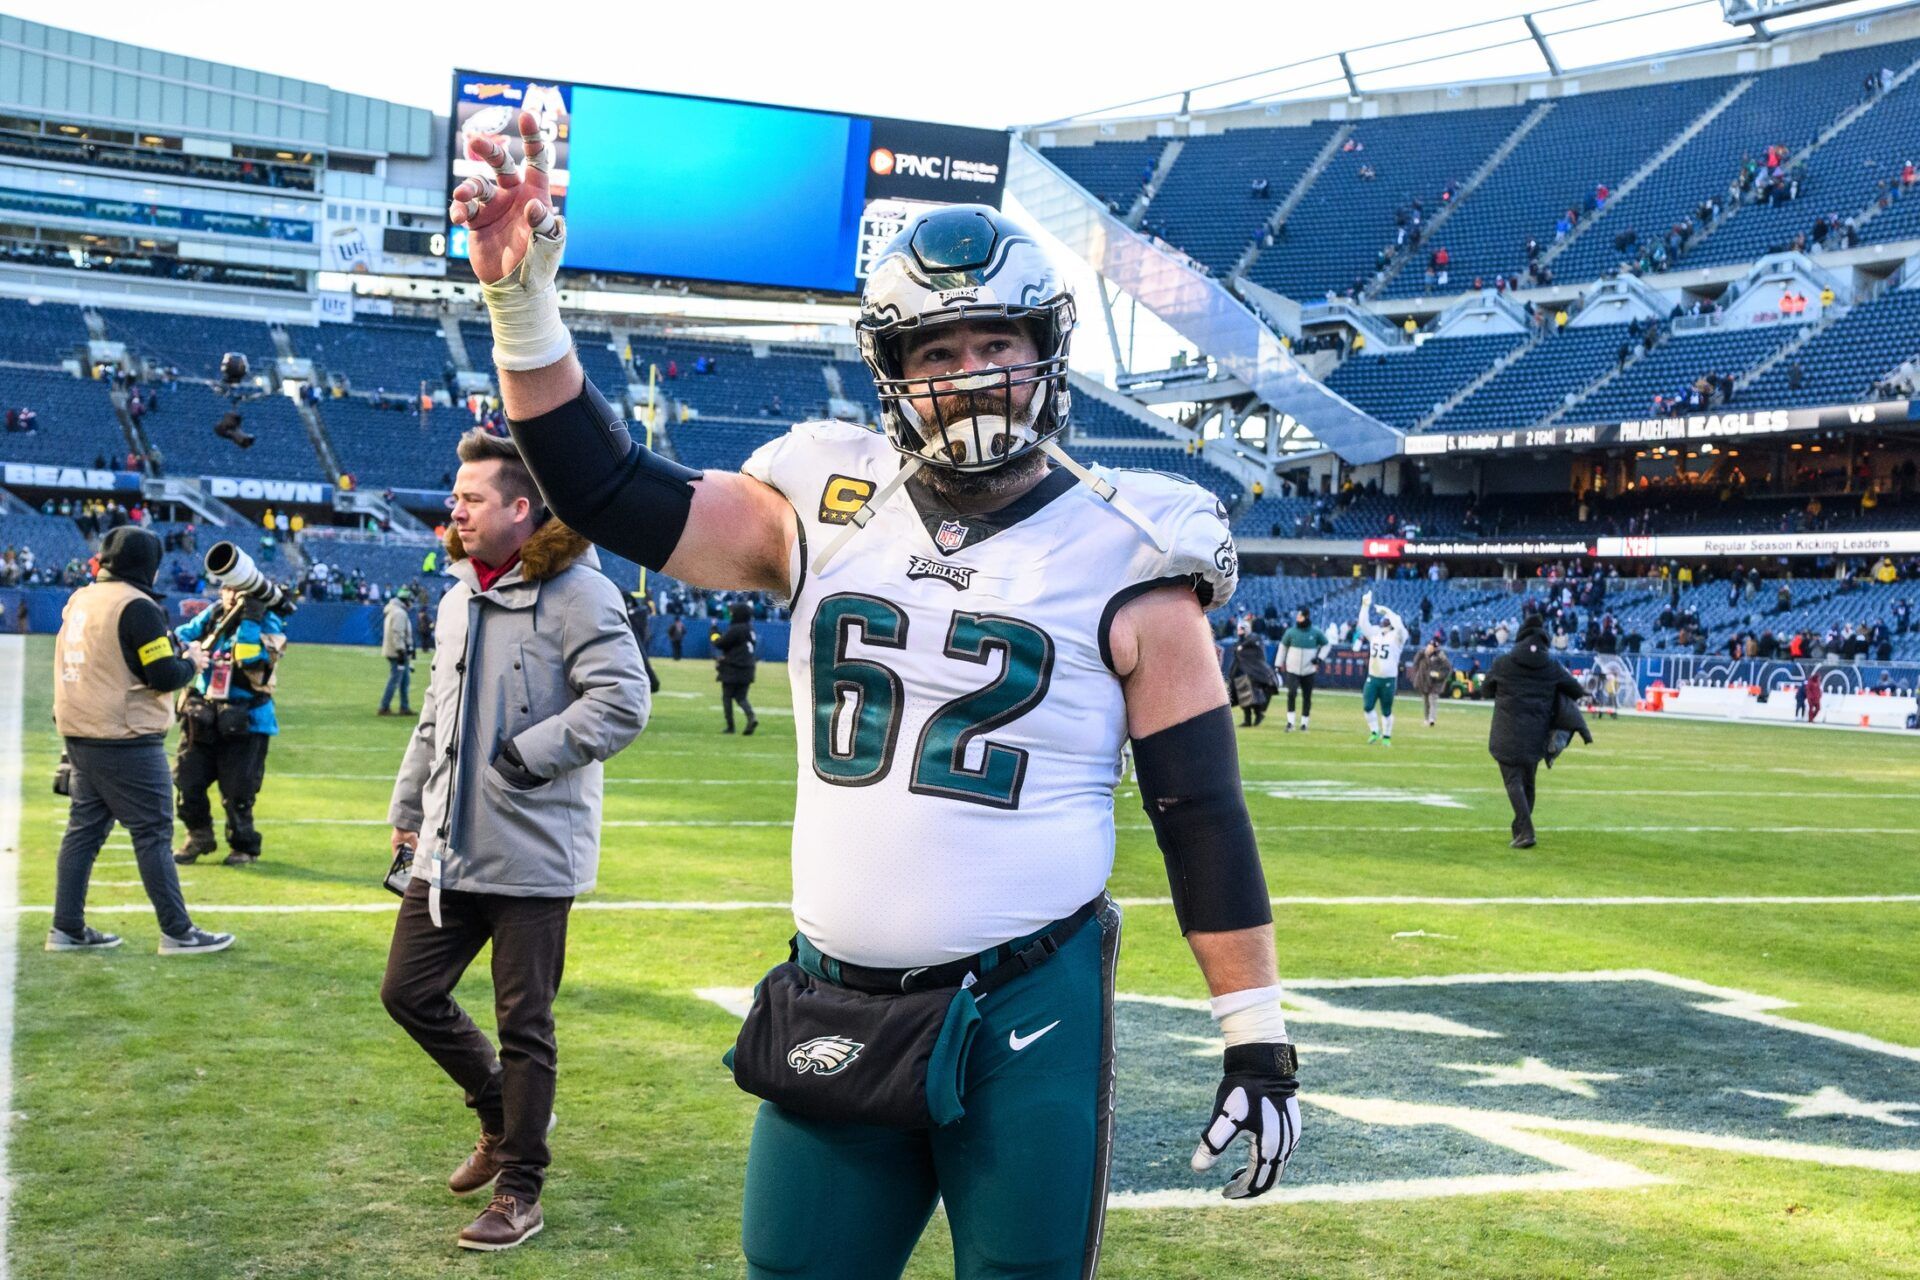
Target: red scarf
<point>489,575</point>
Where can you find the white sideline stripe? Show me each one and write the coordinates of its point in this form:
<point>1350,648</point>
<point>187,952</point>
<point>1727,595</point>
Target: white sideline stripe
<point>1245,782</point>
<point>13,652</point>
<point>1133,826</point>
<point>1143,826</point>
<point>589,904</point>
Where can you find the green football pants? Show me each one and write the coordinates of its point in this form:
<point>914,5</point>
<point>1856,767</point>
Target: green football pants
<point>1023,1173</point>
<point>1379,691</point>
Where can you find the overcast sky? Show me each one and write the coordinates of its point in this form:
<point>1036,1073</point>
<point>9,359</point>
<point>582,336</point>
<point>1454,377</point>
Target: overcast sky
<point>990,65</point>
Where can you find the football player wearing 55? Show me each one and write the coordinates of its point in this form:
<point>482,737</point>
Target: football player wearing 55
<point>980,624</point>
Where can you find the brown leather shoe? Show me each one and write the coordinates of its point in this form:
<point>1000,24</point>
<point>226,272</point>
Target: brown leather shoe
<point>478,1169</point>
<point>504,1224</point>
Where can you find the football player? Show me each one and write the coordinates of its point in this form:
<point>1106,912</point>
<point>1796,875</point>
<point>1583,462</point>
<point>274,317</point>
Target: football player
<point>979,625</point>
<point>1384,643</point>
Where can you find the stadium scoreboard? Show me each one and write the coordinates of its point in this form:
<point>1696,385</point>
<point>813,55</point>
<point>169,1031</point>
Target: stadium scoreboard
<point>667,186</point>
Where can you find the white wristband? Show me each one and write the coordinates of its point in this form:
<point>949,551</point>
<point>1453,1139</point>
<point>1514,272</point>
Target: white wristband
<point>1250,1017</point>
<point>525,306</point>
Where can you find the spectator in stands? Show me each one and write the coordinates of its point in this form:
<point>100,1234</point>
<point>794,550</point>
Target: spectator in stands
<point>1796,376</point>
<point>397,647</point>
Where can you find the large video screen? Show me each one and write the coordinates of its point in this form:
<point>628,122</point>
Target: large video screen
<point>701,189</point>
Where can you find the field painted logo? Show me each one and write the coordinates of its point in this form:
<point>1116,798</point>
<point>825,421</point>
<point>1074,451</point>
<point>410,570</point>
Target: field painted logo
<point>1468,1084</point>
<point>842,496</point>
<point>824,1055</point>
<point>1333,789</point>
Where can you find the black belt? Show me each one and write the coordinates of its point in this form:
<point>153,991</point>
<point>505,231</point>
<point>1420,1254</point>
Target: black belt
<point>994,967</point>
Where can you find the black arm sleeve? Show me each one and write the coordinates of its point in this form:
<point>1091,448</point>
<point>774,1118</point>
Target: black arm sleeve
<point>1190,785</point>
<point>602,482</point>
<point>141,624</point>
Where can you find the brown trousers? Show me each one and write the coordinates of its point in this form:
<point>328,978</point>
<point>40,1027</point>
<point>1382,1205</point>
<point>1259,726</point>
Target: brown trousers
<point>512,1092</point>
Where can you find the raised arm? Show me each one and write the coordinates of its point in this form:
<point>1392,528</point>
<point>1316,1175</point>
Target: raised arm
<point>712,529</point>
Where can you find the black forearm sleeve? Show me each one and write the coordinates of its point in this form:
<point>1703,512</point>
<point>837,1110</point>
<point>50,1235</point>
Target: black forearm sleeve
<point>602,482</point>
<point>143,630</point>
<point>1190,785</point>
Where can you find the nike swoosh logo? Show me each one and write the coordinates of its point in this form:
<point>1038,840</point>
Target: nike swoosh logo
<point>1017,1042</point>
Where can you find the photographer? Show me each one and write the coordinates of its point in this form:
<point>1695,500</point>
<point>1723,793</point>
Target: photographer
<point>498,797</point>
<point>114,666</point>
<point>227,722</point>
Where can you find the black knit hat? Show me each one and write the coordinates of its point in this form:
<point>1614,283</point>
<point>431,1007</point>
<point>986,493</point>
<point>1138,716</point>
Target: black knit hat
<point>1531,629</point>
<point>131,554</point>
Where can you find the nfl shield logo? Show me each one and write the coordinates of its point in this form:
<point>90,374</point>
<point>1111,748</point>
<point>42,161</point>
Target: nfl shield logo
<point>952,534</point>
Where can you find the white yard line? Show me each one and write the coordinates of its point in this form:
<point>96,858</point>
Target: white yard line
<point>1365,900</point>
<point>13,655</point>
<point>1415,829</point>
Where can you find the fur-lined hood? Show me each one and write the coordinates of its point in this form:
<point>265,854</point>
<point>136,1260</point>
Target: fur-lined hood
<point>552,549</point>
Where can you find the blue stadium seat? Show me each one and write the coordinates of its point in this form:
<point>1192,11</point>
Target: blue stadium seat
<point>1113,171</point>
<point>76,419</point>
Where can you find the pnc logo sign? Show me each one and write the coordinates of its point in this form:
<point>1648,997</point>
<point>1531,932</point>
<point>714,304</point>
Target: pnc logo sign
<point>885,162</point>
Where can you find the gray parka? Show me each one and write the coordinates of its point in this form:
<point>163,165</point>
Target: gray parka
<point>545,660</point>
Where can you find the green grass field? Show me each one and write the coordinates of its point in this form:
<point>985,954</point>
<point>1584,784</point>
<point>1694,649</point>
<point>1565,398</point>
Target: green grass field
<point>255,1114</point>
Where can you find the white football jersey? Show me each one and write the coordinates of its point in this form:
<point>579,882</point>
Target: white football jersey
<point>959,727</point>
<point>1385,643</point>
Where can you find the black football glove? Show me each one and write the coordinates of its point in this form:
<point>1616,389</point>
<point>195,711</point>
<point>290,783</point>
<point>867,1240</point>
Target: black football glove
<point>1255,1100</point>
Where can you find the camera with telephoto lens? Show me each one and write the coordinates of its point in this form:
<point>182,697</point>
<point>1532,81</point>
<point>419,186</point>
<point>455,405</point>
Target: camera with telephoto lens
<point>63,776</point>
<point>233,569</point>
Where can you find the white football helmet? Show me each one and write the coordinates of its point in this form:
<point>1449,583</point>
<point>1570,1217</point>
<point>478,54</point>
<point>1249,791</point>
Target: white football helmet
<point>966,262</point>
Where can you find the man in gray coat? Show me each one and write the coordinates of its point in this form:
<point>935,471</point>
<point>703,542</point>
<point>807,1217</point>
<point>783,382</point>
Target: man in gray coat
<point>396,646</point>
<point>536,679</point>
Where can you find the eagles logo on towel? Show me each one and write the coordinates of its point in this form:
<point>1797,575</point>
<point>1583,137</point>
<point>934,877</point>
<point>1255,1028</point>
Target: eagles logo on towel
<point>824,1055</point>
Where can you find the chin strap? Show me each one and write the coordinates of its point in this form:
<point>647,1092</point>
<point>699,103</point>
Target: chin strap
<point>908,470</point>
<point>1104,490</point>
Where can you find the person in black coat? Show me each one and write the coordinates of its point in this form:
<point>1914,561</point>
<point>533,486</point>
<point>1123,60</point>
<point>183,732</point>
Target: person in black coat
<point>735,657</point>
<point>1524,685</point>
<point>1251,678</point>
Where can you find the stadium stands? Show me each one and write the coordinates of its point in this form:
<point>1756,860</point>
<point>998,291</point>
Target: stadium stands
<point>385,448</point>
<point>1842,363</point>
<point>1673,366</point>
<point>1095,419</point>
<point>1206,206</point>
<point>182,432</point>
<point>43,333</point>
<point>1538,382</point>
<point>1790,105</point>
<point>76,422</point>
<point>1114,171</point>
<point>396,353</point>
<point>1400,389</point>
<point>1344,219</point>
<point>193,344</point>
<point>1586,140</point>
